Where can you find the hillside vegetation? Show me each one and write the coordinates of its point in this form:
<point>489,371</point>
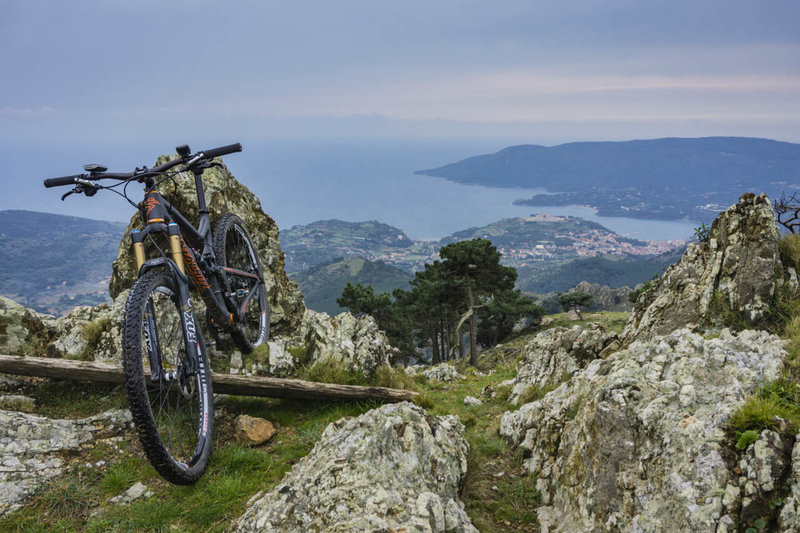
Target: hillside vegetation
<point>53,262</point>
<point>322,285</point>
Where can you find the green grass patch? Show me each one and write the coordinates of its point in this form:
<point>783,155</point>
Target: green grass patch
<point>610,320</point>
<point>789,248</point>
<point>74,399</point>
<point>760,410</point>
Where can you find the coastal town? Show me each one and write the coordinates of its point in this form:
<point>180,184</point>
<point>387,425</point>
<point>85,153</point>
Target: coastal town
<point>522,241</point>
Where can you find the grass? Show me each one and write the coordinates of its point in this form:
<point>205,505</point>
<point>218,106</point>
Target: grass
<point>789,248</point>
<point>610,320</point>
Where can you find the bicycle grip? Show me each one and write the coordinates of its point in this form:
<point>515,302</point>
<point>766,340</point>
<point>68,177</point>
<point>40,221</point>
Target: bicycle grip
<point>64,180</point>
<point>223,150</point>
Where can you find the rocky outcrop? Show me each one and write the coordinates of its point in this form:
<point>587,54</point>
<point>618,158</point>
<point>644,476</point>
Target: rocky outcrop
<point>23,330</point>
<point>84,333</point>
<point>440,372</point>
<point>636,442</point>
<point>553,356</point>
<point>391,469</point>
<point>356,342</point>
<point>33,448</point>
<point>224,194</point>
<point>737,270</point>
<point>604,298</point>
<point>790,511</point>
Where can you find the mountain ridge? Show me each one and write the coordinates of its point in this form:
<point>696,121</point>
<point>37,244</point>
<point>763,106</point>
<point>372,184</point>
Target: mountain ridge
<point>669,178</point>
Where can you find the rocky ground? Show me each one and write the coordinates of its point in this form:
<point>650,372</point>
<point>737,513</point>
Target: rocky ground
<point>685,418</point>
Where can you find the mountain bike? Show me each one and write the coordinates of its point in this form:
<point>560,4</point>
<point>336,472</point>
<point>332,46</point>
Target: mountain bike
<point>165,364</point>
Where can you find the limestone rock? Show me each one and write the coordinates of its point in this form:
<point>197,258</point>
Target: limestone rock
<point>604,297</point>
<point>391,469</point>
<point>556,354</point>
<point>355,341</point>
<point>472,400</point>
<point>789,519</point>
<point>23,330</point>
<point>764,466</point>
<point>740,266</point>
<point>636,441</point>
<point>32,449</point>
<point>253,431</point>
<point>93,333</point>
<point>440,372</point>
<point>224,194</point>
<point>137,490</point>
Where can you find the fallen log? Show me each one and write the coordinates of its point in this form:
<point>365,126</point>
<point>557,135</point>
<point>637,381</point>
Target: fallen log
<point>239,385</point>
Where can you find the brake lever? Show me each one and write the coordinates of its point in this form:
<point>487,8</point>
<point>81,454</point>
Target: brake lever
<point>86,187</point>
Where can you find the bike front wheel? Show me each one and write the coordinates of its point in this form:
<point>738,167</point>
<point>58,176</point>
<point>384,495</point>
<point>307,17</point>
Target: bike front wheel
<point>171,402</point>
<point>238,257</point>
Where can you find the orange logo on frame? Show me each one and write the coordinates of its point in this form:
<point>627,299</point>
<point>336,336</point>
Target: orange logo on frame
<point>150,203</point>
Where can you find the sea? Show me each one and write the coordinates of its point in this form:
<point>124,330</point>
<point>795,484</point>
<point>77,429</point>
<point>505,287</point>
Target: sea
<point>304,180</point>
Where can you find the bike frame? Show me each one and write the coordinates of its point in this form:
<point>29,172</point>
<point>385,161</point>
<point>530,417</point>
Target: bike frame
<point>161,217</point>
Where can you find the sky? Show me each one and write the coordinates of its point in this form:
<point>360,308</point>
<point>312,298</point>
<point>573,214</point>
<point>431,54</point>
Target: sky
<point>119,81</point>
<point>540,71</point>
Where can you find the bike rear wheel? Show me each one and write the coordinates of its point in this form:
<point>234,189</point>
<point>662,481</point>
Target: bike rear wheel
<point>237,254</point>
<point>173,409</point>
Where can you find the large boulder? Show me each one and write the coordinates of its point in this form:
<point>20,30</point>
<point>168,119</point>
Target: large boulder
<point>24,331</point>
<point>553,356</point>
<point>736,270</point>
<point>33,449</point>
<point>93,333</point>
<point>224,194</point>
<point>355,341</point>
<point>604,297</point>
<point>637,441</point>
<point>391,469</point>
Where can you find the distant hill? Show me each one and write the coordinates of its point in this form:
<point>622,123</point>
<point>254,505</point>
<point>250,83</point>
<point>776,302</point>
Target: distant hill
<point>550,253</point>
<point>323,284</point>
<point>325,240</point>
<point>53,262</point>
<point>671,178</point>
<point>611,270</point>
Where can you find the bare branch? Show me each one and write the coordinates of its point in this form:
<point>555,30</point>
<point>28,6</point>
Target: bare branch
<point>787,211</point>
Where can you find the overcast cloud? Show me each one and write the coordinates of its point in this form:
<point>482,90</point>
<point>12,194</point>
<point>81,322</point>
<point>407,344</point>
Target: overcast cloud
<point>553,71</point>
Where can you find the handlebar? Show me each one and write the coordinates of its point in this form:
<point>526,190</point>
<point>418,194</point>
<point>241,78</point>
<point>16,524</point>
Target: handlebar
<point>223,150</point>
<point>64,180</point>
<point>191,159</point>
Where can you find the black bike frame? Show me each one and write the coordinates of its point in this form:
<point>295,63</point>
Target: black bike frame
<point>161,217</point>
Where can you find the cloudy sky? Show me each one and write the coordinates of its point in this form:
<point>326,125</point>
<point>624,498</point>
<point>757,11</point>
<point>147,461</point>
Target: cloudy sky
<point>544,71</point>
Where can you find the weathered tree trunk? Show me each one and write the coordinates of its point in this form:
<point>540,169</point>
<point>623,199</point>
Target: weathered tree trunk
<point>223,383</point>
<point>443,340</point>
<point>473,327</point>
<point>436,359</point>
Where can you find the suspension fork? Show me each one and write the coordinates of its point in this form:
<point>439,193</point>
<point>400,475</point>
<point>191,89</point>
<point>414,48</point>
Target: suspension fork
<point>188,322</point>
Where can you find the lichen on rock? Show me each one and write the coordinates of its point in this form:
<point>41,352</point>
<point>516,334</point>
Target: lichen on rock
<point>554,355</point>
<point>738,269</point>
<point>355,341</point>
<point>394,468</point>
<point>440,372</point>
<point>636,442</point>
<point>32,449</point>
